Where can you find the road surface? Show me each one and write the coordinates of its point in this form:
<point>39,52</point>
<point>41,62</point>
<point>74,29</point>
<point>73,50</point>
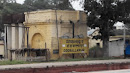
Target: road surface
<point>111,71</point>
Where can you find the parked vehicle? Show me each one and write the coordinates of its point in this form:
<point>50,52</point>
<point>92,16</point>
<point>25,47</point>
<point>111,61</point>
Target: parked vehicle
<point>127,49</point>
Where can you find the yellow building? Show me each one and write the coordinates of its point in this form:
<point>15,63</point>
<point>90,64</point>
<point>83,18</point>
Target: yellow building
<point>1,48</point>
<point>47,26</point>
<point>95,42</point>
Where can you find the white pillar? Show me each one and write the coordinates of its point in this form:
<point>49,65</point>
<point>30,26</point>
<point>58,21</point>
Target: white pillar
<point>15,40</point>
<point>14,37</point>
<point>21,36</point>
<point>9,41</point>
<point>5,41</point>
<point>9,36</point>
<point>17,36</point>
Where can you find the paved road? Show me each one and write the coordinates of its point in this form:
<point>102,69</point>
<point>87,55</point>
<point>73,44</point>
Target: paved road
<point>112,71</point>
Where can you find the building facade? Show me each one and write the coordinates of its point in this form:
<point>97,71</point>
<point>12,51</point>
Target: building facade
<point>41,32</point>
<point>47,26</point>
<point>13,40</point>
<point>1,49</point>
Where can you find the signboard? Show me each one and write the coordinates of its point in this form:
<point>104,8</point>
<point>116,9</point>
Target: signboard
<point>71,46</point>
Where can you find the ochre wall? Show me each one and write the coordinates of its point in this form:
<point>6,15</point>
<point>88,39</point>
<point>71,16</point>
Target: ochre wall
<point>44,23</point>
<point>1,48</point>
<point>46,30</point>
<point>50,16</point>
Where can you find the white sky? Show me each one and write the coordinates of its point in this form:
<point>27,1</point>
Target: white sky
<point>119,24</point>
<point>74,4</point>
<point>20,1</point>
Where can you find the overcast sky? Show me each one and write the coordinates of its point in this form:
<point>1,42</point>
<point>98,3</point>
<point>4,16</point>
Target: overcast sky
<point>75,4</point>
<point>20,1</point>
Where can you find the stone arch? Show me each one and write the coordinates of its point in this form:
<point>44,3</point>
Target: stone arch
<point>37,41</point>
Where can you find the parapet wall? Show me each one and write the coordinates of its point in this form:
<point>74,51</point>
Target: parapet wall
<point>51,15</point>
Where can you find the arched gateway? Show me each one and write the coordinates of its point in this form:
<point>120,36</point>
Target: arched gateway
<point>37,41</point>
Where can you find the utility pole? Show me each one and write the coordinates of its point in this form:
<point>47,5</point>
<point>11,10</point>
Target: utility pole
<point>72,28</point>
<point>56,23</point>
<point>72,33</point>
<point>124,39</point>
<point>124,35</point>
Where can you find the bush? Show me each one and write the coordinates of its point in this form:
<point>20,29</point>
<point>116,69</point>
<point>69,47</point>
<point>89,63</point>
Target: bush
<point>95,52</point>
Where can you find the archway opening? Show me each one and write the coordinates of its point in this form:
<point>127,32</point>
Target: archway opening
<point>37,41</point>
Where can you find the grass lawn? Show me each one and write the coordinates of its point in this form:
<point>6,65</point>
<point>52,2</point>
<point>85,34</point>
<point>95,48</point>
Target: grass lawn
<point>13,62</point>
<point>60,60</point>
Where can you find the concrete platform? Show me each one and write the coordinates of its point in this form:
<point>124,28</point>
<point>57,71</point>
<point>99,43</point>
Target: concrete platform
<point>111,71</point>
<point>60,64</point>
<point>60,67</point>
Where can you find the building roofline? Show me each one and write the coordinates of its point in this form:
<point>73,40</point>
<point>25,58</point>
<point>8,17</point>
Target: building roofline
<point>94,32</point>
<point>50,10</point>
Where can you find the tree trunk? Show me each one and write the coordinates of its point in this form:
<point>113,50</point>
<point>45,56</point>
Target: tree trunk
<point>106,47</point>
<point>106,40</point>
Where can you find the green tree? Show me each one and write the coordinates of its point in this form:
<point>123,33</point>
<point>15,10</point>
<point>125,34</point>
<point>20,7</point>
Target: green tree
<point>127,8</point>
<point>29,4</point>
<point>103,14</point>
<point>61,4</point>
<point>9,7</point>
<point>48,4</point>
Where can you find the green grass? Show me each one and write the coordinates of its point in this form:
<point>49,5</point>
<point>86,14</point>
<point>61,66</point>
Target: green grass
<point>13,62</point>
<point>60,60</point>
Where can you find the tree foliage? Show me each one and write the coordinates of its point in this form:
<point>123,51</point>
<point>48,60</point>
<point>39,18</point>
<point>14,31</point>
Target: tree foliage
<point>48,4</point>
<point>11,7</point>
<point>104,14</point>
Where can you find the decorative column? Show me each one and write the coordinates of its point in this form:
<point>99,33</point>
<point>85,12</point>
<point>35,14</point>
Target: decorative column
<point>21,36</point>
<point>15,41</point>
<point>5,41</point>
<point>9,40</point>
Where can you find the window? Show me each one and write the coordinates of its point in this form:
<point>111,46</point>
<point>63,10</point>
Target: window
<point>98,44</point>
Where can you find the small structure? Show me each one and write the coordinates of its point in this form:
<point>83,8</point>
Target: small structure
<point>14,35</point>
<point>14,40</point>
<point>116,47</point>
<point>119,26</point>
<point>94,42</point>
<point>1,48</point>
<point>116,42</point>
<point>47,26</point>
